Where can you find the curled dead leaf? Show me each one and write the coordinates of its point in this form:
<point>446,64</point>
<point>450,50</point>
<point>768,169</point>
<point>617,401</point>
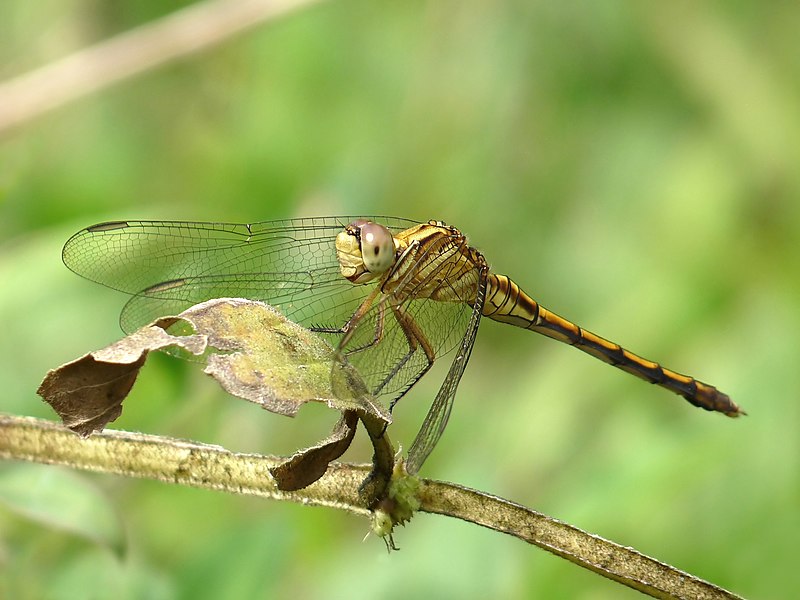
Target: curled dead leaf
<point>87,393</point>
<point>309,464</point>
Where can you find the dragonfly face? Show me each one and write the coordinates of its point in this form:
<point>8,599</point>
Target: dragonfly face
<point>365,251</point>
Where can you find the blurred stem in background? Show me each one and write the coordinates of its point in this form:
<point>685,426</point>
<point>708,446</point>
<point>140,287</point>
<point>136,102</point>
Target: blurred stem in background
<point>193,29</point>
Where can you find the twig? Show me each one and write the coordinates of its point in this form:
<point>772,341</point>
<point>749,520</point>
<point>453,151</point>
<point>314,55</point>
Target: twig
<point>182,33</point>
<point>199,465</point>
<point>611,560</point>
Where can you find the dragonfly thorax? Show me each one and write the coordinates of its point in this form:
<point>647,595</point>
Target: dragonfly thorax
<point>365,251</point>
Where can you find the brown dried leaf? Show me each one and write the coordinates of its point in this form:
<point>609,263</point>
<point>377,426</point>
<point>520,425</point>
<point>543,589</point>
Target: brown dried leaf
<point>87,393</point>
<point>308,465</point>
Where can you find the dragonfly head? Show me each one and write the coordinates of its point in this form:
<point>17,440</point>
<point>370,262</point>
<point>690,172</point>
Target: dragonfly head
<point>365,251</point>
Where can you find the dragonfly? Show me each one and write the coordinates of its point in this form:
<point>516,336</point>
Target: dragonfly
<point>391,295</point>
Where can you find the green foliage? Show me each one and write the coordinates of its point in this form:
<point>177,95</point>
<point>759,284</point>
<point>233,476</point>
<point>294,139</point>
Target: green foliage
<point>632,166</point>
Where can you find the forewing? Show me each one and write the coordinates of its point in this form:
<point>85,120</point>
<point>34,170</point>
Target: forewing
<point>170,266</point>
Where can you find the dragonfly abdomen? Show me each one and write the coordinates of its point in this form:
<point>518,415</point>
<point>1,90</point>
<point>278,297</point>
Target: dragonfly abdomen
<point>507,303</point>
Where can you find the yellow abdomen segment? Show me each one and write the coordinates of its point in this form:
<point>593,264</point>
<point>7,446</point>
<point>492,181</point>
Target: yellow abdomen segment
<point>507,303</point>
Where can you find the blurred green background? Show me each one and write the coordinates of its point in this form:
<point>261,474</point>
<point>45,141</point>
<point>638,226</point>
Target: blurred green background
<point>634,167</point>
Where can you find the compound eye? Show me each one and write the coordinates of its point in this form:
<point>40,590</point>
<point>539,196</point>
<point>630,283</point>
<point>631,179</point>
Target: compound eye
<point>377,248</point>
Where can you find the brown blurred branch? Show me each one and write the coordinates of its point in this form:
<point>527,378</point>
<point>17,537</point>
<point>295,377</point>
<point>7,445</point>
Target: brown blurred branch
<point>180,34</point>
<point>199,465</point>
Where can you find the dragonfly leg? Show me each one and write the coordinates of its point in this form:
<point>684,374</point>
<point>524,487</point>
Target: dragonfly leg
<point>416,339</point>
<point>349,328</point>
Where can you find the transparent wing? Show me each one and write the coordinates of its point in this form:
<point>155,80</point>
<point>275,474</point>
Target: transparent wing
<point>436,420</point>
<point>318,298</point>
<point>169,266</point>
